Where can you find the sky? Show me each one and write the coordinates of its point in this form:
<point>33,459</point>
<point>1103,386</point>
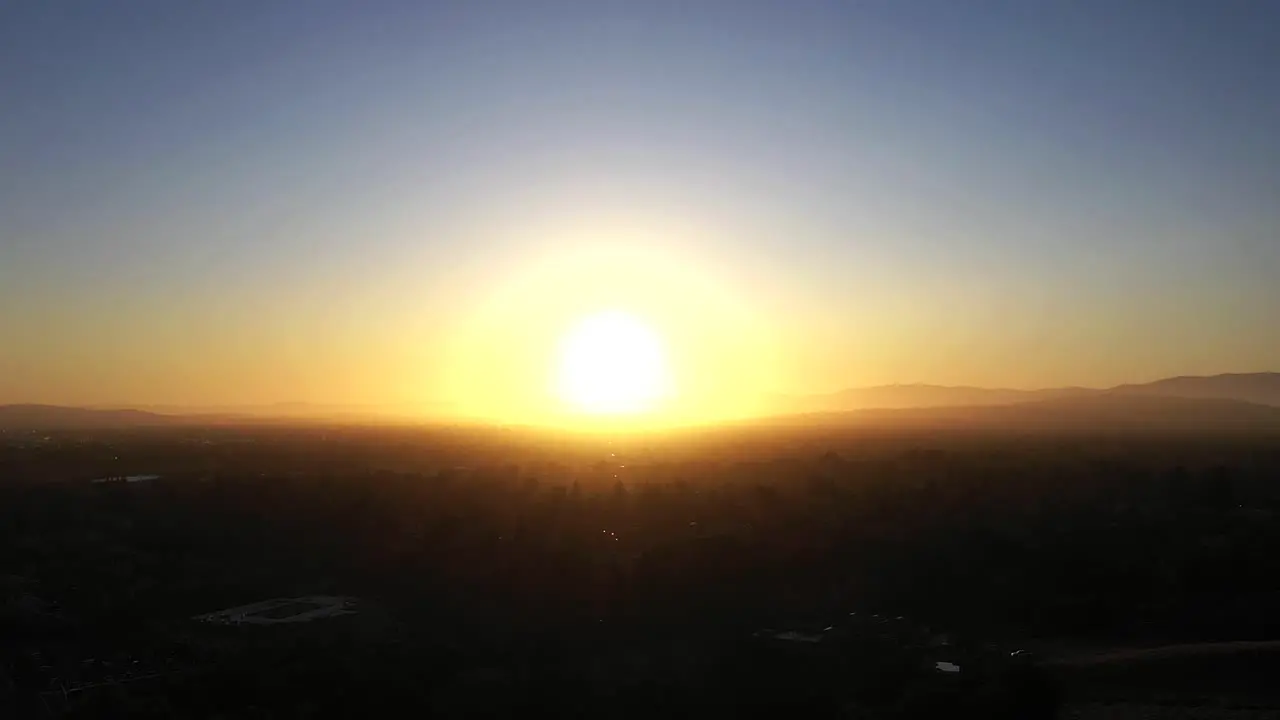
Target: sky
<point>405,203</point>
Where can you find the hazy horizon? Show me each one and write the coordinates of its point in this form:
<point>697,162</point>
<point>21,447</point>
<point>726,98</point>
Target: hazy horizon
<point>1258,388</point>
<point>412,205</point>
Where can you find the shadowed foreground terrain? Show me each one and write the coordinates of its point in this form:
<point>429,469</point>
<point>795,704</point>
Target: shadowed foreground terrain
<point>808,570</point>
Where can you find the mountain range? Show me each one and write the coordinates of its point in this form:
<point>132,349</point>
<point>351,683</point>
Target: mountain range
<point>1228,403</point>
<point>1257,388</point>
<point>1231,401</point>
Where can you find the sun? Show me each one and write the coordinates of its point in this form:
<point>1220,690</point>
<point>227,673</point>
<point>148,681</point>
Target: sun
<point>612,363</point>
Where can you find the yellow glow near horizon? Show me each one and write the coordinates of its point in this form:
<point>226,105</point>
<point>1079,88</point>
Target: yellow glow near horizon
<point>609,323</point>
<point>611,363</point>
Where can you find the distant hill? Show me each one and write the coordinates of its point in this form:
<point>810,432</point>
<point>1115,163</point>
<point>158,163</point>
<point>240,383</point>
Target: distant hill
<point>1138,413</point>
<point>1258,388</point>
<point>1088,412</point>
<point>1242,399</point>
<point>913,396</point>
<point>294,410</point>
<point>57,417</point>
<point>1261,388</point>
<point>54,417</point>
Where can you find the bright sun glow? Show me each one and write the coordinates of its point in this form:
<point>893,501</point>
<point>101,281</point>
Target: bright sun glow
<point>612,363</point>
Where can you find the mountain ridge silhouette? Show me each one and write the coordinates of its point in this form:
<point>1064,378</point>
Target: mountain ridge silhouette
<point>1261,388</point>
<point>1218,398</point>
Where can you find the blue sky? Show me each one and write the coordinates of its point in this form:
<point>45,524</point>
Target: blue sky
<point>278,194</point>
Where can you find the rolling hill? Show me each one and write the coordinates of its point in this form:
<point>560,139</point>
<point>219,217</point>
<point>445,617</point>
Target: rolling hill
<point>1232,401</point>
<point>55,417</point>
<point>1260,388</point>
<point>1093,412</point>
<point>912,396</point>
<point>1257,388</point>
